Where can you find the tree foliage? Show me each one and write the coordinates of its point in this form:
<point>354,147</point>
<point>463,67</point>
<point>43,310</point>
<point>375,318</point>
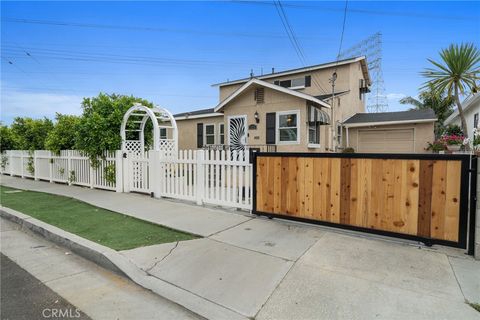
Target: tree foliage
<point>456,74</point>
<point>30,134</point>
<point>439,102</point>
<point>99,127</point>
<point>64,133</point>
<point>6,138</point>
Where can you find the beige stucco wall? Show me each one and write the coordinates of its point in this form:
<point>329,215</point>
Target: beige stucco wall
<point>348,77</point>
<point>275,101</point>
<point>423,133</point>
<point>187,131</point>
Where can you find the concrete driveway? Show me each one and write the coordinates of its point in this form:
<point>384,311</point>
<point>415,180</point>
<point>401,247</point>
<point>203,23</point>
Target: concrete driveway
<point>274,269</point>
<point>279,270</point>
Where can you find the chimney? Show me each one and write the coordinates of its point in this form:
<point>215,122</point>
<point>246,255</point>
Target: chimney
<point>273,70</point>
<point>251,73</point>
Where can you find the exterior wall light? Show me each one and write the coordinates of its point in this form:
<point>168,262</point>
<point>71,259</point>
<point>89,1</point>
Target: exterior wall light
<point>257,117</point>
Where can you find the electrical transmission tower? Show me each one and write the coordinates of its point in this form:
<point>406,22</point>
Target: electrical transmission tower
<point>372,49</point>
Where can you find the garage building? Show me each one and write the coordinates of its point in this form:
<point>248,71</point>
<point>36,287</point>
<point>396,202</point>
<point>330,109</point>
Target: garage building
<point>390,132</point>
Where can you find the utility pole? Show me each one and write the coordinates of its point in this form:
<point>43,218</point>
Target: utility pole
<point>332,114</point>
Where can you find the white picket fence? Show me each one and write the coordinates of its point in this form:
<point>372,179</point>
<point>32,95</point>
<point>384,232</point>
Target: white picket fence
<point>70,166</point>
<point>213,177</point>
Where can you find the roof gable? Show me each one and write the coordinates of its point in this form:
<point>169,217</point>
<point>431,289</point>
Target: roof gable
<point>255,81</point>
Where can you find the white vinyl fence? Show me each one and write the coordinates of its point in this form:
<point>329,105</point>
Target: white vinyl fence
<point>213,177</point>
<point>70,166</point>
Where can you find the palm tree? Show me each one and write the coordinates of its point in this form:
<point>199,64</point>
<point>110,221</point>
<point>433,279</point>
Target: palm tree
<point>441,104</point>
<point>457,75</point>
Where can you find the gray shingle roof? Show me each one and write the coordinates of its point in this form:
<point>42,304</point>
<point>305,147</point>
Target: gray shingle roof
<point>410,115</point>
<point>194,113</point>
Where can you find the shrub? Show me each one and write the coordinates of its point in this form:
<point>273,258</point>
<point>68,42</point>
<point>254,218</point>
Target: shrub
<point>348,150</point>
<point>99,126</point>
<point>453,130</point>
<point>436,146</point>
<point>62,136</point>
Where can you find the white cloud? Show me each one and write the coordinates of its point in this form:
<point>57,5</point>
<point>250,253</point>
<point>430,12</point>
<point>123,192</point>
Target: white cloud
<point>18,103</point>
<point>395,96</point>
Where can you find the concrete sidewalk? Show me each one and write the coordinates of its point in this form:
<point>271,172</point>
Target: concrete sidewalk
<point>99,293</point>
<point>273,269</point>
<point>198,220</point>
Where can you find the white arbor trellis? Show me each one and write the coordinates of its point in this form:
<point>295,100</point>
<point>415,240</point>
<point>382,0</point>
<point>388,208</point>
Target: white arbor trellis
<point>165,132</point>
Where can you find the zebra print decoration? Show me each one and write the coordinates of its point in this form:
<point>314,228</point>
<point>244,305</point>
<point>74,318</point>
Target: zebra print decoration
<point>237,133</point>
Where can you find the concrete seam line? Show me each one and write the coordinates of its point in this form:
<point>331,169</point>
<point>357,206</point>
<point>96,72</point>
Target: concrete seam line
<point>195,294</point>
<point>456,279</point>
<point>283,278</point>
<point>231,227</point>
<point>113,259</point>
<point>263,253</point>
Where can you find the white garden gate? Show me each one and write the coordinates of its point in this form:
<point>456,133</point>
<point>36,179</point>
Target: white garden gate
<point>137,169</point>
<point>213,177</point>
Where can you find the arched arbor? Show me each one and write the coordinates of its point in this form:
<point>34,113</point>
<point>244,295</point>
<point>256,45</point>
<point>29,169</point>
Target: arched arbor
<point>165,132</point>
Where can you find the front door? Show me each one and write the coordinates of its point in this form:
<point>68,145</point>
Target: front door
<point>237,132</point>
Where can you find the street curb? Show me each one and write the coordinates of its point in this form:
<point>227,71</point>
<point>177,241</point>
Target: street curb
<point>113,261</point>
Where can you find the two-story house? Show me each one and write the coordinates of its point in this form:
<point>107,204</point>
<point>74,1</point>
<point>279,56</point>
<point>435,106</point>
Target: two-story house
<point>287,111</point>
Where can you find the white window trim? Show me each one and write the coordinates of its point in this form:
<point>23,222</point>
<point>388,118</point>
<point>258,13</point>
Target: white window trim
<point>205,134</point>
<point>297,87</point>
<point>220,134</point>
<point>277,131</point>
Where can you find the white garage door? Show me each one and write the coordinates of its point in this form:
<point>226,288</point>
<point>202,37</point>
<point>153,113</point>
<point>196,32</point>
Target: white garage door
<point>386,141</point>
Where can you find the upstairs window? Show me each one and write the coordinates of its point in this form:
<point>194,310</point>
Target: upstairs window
<point>296,83</point>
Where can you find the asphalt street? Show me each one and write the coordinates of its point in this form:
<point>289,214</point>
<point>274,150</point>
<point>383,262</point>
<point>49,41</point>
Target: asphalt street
<point>25,297</point>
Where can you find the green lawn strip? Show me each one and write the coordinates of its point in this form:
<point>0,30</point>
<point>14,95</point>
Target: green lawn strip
<point>108,228</point>
<point>475,306</point>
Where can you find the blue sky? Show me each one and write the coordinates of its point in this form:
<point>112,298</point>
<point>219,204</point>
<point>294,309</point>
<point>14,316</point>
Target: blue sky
<point>171,52</point>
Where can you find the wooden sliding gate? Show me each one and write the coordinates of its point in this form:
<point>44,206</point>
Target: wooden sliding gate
<point>421,197</point>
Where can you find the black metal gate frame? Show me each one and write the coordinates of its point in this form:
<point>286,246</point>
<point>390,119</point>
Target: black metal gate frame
<point>468,191</point>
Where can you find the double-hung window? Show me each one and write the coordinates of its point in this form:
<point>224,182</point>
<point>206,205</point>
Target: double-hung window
<point>288,127</point>
<point>209,134</point>
<point>313,133</point>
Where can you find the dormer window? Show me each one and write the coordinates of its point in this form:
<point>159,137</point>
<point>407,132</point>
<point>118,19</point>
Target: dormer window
<point>296,83</point>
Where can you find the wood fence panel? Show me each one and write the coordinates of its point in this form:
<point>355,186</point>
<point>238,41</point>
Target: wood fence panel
<point>414,197</point>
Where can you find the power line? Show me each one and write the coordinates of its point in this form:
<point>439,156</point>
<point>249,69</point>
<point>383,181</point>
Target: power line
<point>364,11</point>
<point>294,41</point>
<point>88,56</point>
<point>10,62</point>
<point>140,28</point>
<point>343,30</point>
